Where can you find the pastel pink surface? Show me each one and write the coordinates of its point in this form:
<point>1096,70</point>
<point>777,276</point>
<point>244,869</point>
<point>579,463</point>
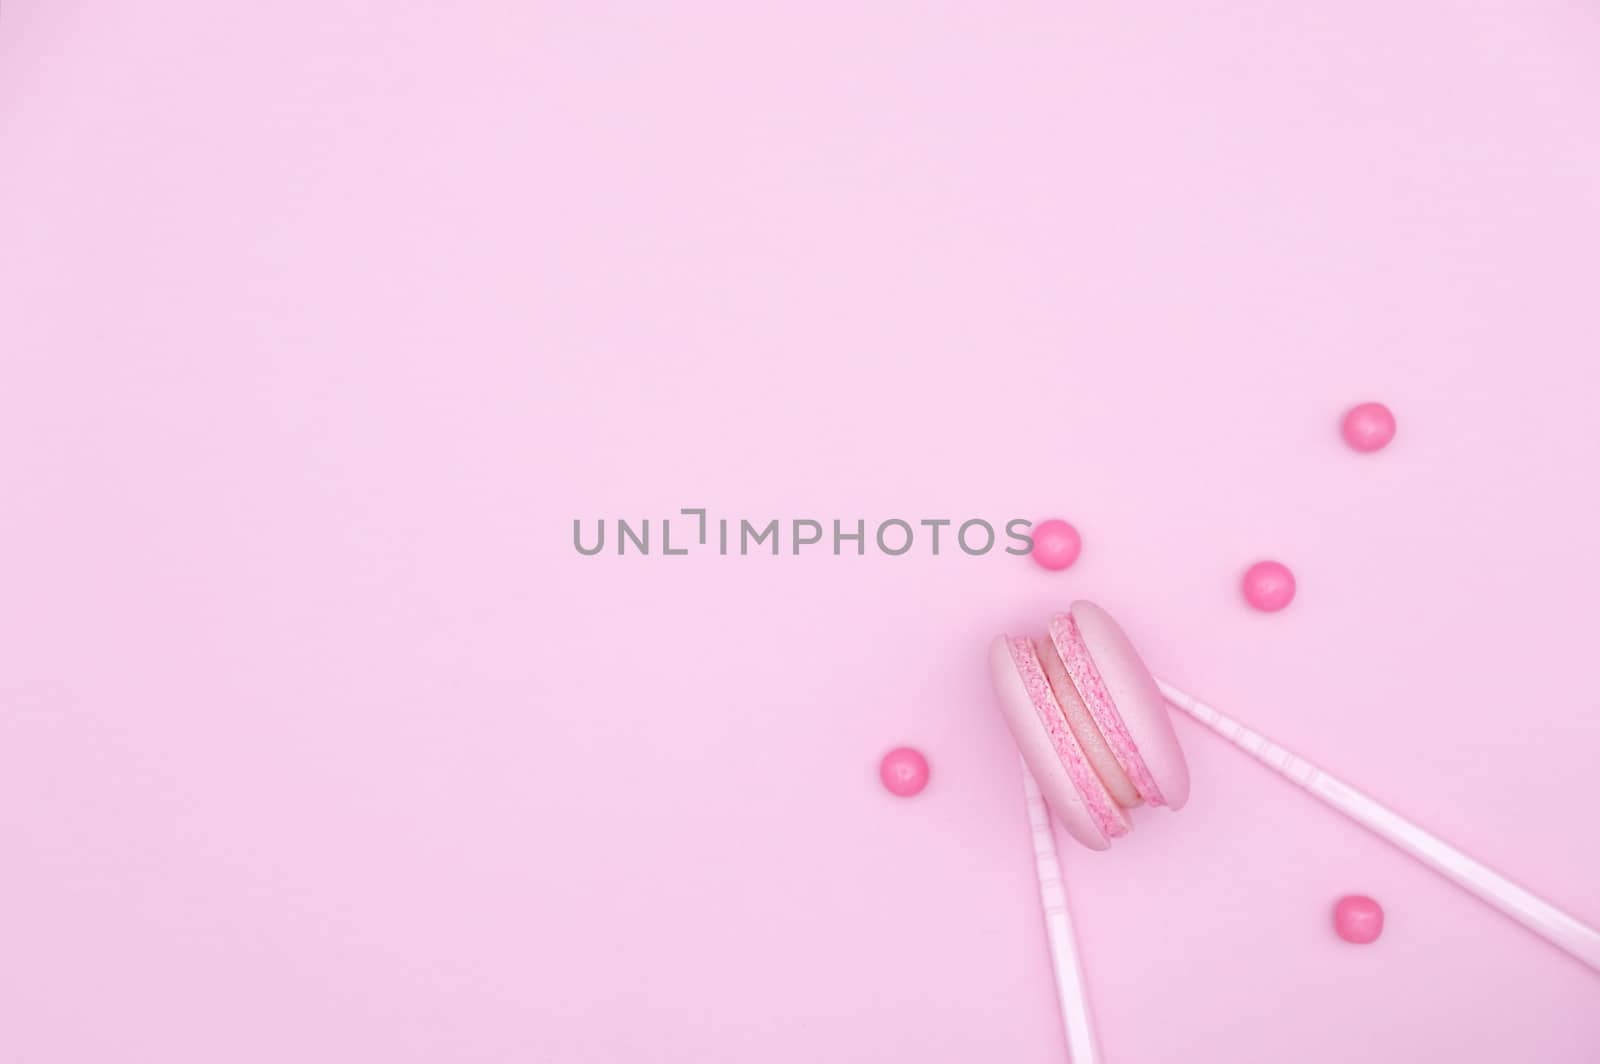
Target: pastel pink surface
<point>1358,919</point>
<point>904,771</point>
<point>1268,586</point>
<point>1056,544</point>
<point>1368,427</point>
<point>321,321</point>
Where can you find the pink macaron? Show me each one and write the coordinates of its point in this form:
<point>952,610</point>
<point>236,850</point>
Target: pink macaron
<point>1090,722</point>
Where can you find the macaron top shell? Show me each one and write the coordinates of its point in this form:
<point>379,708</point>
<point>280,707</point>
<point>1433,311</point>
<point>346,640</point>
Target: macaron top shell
<point>1137,699</point>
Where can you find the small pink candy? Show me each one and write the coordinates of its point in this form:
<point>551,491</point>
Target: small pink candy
<point>1269,586</point>
<point>1056,544</point>
<point>1358,919</point>
<point>1368,427</point>
<point>904,771</point>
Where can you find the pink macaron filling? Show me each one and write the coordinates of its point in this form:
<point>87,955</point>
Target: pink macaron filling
<point>1097,799</point>
<point>1095,748</point>
<point>1091,687</point>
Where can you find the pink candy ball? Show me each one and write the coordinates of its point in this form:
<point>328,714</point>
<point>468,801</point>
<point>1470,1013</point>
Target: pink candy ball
<point>1056,544</point>
<point>1368,427</point>
<point>904,771</point>
<point>1269,586</point>
<point>1358,919</point>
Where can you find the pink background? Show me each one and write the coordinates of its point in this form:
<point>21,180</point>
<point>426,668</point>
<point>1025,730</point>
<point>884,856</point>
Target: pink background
<point>321,321</point>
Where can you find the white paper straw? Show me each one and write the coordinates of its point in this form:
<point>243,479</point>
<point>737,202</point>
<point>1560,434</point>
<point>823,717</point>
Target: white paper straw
<point>1523,906</point>
<point>1070,989</point>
